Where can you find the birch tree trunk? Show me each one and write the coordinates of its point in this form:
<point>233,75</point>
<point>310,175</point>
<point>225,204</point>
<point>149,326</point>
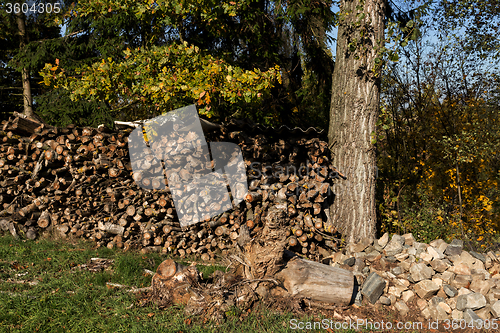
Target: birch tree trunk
<point>353,115</point>
<point>27,97</point>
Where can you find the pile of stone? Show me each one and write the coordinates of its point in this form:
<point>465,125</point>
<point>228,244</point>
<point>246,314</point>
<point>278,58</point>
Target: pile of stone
<point>442,280</point>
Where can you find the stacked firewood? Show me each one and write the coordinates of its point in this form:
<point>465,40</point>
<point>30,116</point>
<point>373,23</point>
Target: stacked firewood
<point>78,182</point>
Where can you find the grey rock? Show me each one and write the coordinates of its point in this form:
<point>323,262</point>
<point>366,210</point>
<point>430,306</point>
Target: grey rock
<point>426,313</point>
<point>492,256</point>
<point>438,313</point>
<point>479,256</point>
<point>470,316</point>
<point>460,268</point>
<point>478,266</point>
<point>484,313</point>
<point>396,290</point>
<point>454,248</point>
<point>425,256</point>
<point>377,247</point>
<point>426,288</point>
<point>437,243</point>
<point>445,307</point>
<point>359,264</point>
<point>397,270</point>
<point>370,249</point>
<point>464,291</point>
<point>405,265</point>
<point>363,244</point>
<point>360,255</point>
<point>455,259</point>
<point>457,315</point>
<point>439,265</point>
<point>385,300</point>
<point>409,240</point>
<point>450,291</point>
<point>350,261</point>
<point>452,302</point>
<point>391,259</point>
<point>358,299</point>
<point>471,301</point>
<point>339,257</point>
<point>435,252</point>
<point>395,246</point>
<point>419,248</point>
<point>446,261</point>
<point>495,292</point>
<point>372,256</point>
<point>436,300</point>
<point>467,259</point>
<point>398,238</point>
<point>365,270</point>
<point>401,256</point>
<point>461,281</point>
<point>408,296</point>
<point>442,247</point>
<point>483,272</point>
<point>480,286</point>
<point>382,242</point>
<point>488,263</point>
<point>373,287</point>
<point>495,309</point>
<point>402,308</point>
<point>420,272</point>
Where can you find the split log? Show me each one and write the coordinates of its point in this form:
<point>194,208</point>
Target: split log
<point>83,174</point>
<point>319,282</point>
<point>44,219</point>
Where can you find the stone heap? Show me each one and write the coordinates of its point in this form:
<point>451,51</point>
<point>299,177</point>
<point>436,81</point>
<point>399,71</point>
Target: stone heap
<point>442,280</point>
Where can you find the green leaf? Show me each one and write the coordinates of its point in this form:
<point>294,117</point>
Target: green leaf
<point>393,56</point>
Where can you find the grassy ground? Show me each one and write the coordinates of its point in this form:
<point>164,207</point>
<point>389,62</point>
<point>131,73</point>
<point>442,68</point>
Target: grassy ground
<point>43,289</point>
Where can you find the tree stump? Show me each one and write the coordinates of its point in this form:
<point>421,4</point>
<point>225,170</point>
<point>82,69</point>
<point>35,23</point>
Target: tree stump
<point>263,269</point>
<point>173,283</point>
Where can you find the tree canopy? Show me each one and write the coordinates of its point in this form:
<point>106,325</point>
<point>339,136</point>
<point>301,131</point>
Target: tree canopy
<point>434,64</point>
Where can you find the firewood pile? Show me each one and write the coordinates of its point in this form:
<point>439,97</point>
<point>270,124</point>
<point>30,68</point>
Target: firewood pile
<point>78,182</point>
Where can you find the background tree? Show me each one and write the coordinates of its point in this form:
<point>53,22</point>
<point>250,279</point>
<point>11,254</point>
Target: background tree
<point>353,115</point>
<point>252,36</point>
<point>438,139</point>
<point>21,33</point>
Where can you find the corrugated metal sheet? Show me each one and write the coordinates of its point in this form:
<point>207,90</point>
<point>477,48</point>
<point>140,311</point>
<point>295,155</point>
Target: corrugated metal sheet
<point>248,127</point>
<point>251,127</point>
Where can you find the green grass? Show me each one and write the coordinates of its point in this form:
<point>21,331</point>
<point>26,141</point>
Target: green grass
<point>68,299</point>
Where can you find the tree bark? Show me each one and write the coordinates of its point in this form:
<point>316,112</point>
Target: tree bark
<point>353,115</point>
<point>27,97</point>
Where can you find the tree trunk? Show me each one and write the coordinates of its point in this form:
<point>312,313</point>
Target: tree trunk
<point>27,98</point>
<point>353,115</point>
